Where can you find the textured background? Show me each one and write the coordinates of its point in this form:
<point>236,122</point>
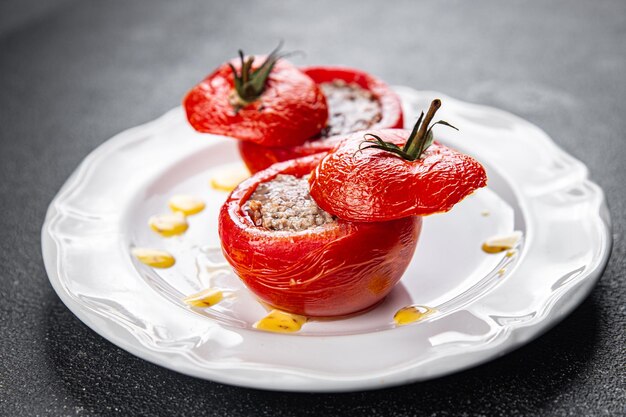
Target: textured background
<point>74,73</point>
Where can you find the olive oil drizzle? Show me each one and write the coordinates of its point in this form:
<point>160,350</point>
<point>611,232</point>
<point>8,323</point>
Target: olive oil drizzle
<point>228,177</point>
<point>205,298</point>
<point>154,257</point>
<point>281,322</point>
<point>170,224</point>
<point>411,314</point>
<point>501,243</point>
<point>186,204</point>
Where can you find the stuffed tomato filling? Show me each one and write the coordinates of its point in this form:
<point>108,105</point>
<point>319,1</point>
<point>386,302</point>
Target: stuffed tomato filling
<point>350,108</point>
<point>284,203</point>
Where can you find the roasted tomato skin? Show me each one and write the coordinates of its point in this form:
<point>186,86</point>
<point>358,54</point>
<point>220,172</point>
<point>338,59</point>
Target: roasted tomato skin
<point>291,109</point>
<point>374,185</point>
<point>258,157</point>
<point>324,272</point>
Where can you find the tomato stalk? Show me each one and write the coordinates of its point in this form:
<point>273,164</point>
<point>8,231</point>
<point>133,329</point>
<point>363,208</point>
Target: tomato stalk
<point>419,140</point>
<point>250,84</point>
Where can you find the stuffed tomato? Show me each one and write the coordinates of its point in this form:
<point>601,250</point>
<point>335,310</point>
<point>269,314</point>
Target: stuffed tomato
<point>356,101</point>
<point>298,258</point>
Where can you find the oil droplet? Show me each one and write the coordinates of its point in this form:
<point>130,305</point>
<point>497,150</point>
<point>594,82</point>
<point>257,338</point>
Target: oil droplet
<point>511,253</point>
<point>280,322</point>
<point>411,314</point>
<point>485,213</point>
<point>497,244</point>
<point>204,298</point>
<point>229,177</point>
<point>186,204</point>
<point>154,257</point>
<point>501,271</point>
<point>169,224</point>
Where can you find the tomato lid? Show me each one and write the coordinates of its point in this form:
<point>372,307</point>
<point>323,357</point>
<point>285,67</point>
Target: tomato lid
<point>268,101</point>
<point>388,174</point>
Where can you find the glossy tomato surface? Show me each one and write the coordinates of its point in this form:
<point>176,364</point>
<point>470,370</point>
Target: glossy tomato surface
<point>291,109</point>
<point>259,157</point>
<point>375,185</point>
<point>334,270</point>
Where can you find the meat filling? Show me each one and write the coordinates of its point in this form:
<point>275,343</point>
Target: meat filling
<point>285,204</point>
<point>350,108</point>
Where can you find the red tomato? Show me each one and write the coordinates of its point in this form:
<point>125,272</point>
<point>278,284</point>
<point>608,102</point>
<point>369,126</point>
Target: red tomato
<point>336,270</point>
<point>259,157</point>
<point>375,185</point>
<point>290,110</point>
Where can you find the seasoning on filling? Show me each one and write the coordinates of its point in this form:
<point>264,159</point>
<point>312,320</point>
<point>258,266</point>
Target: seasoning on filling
<point>350,108</point>
<point>285,204</point>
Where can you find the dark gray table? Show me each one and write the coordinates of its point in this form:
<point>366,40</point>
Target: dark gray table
<point>74,73</point>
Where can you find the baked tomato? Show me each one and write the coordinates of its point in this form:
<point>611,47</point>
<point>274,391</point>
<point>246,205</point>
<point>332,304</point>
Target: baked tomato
<point>390,174</point>
<point>356,100</point>
<point>271,103</point>
<point>335,269</point>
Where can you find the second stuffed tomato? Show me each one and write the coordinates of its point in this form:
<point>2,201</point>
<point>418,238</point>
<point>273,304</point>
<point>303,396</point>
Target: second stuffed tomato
<point>294,256</point>
<point>356,100</point>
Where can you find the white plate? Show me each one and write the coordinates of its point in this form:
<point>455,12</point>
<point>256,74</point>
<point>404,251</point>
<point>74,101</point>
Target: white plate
<point>486,304</point>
